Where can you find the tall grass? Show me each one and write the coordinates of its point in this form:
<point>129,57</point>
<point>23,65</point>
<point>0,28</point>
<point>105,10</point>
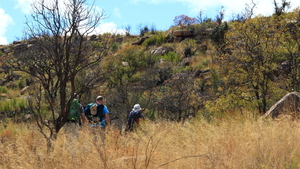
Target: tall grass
<point>231,143</point>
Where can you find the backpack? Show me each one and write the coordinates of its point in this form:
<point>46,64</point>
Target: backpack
<point>74,114</point>
<point>94,112</point>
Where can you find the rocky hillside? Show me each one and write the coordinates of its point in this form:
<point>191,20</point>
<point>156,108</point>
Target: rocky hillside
<point>205,69</point>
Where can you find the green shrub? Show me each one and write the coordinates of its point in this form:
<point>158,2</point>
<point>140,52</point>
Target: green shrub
<point>171,56</point>
<point>3,89</point>
<point>14,104</point>
<point>157,40</point>
<point>96,45</point>
<point>6,106</point>
<point>189,43</point>
<point>22,103</point>
<point>21,83</point>
<point>115,47</point>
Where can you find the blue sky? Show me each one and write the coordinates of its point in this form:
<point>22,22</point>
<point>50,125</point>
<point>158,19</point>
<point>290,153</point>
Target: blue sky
<point>159,13</point>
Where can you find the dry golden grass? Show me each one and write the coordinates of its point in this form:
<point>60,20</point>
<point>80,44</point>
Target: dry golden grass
<point>232,143</point>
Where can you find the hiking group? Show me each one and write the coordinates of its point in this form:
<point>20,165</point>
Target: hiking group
<point>97,115</point>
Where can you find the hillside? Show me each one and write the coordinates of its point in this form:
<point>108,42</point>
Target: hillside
<point>202,69</point>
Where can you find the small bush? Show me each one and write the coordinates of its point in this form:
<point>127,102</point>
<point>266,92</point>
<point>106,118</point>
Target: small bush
<point>171,56</point>
<point>6,106</point>
<point>157,40</point>
<point>96,45</point>
<point>14,104</point>
<point>21,83</point>
<point>22,103</point>
<point>115,47</point>
<point>3,89</point>
<point>189,43</point>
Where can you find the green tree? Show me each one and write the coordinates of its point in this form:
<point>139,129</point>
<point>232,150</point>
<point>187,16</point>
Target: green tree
<point>129,79</point>
<point>217,35</point>
<point>175,98</point>
<point>291,44</point>
<point>249,71</point>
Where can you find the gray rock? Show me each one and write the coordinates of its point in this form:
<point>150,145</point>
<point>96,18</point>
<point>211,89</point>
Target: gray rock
<point>288,105</point>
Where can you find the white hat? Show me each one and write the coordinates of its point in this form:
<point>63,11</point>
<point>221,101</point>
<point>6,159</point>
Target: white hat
<point>136,107</point>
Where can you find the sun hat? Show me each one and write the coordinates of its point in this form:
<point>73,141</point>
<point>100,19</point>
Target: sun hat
<point>136,107</point>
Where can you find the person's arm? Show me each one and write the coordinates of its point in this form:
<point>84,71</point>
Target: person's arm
<point>82,115</point>
<point>83,118</point>
<point>106,116</point>
<point>107,120</point>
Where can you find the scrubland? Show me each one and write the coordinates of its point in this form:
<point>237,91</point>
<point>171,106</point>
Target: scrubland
<point>237,142</point>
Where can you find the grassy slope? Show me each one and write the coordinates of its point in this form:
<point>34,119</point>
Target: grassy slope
<point>232,143</point>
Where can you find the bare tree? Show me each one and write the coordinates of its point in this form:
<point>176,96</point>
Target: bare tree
<point>220,16</point>
<point>249,10</point>
<point>281,9</point>
<point>59,53</point>
<point>200,17</point>
<point>247,13</point>
<point>127,30</point>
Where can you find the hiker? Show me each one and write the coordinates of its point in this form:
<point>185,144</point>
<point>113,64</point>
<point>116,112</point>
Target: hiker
<point>97,113</point>
<point>134,117</point>
<point>76,118</point>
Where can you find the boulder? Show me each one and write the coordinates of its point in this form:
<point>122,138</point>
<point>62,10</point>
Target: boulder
<point>187,61</point>
<point>141,40</point>
<point>126,64</point>
<point>161,50</point>
<point>18,48</point>
<point>286,67</point>
<point>17,42</point>
<point>161,61</point>
<point>24,90</point>
<point>288,105</point>
<point>94,38</point>
<point>183,33</point>
<point>196,73</point>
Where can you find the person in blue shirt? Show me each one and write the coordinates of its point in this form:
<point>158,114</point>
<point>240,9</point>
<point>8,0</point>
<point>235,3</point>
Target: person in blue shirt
<point>97,113</point>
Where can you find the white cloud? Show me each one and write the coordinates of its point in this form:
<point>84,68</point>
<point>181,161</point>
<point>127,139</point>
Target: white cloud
<point>5,21</point>
<point>117,13</point>
<point>24,5</point>
<point>108,28</point>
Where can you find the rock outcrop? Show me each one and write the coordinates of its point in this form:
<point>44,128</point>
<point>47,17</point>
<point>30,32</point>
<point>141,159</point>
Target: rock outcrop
<point>161,50</point>
<point>180,35</point>
<point>141,40</point>
<point>288,105</point>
